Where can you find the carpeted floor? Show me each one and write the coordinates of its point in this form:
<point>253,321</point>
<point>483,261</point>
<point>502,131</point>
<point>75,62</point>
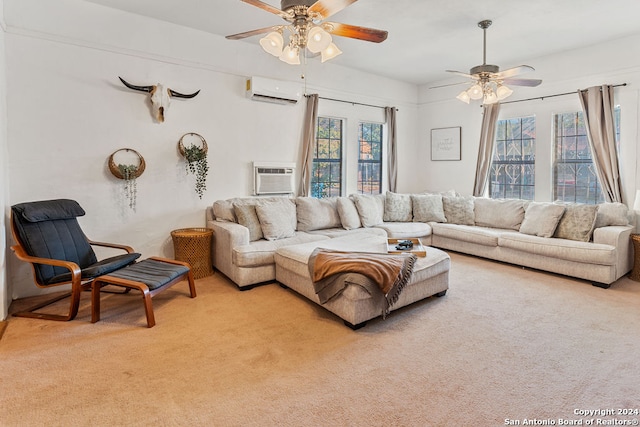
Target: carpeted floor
<point>505,344</point>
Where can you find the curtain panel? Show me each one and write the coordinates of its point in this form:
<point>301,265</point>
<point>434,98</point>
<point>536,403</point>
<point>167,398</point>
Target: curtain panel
<point>485,150</point>
<point>597,104</point>
<point>308,141</point>
<point>392,157</point>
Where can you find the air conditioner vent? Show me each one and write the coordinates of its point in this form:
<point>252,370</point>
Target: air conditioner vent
<point>273,178</point>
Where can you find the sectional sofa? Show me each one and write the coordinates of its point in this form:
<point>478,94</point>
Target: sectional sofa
<point>590,242</point>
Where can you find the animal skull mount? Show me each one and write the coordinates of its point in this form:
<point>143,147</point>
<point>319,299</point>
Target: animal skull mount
<point>159,96</point>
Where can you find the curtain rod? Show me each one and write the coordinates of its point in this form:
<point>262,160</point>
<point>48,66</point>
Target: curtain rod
<point>550,96</point>
<point>349,102</point>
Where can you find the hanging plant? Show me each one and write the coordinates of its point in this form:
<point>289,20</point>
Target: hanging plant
<point>196,157</point>
<point>128,173</point>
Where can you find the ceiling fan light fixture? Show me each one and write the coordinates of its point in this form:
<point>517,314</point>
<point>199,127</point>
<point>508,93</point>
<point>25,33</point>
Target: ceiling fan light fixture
<point>290,55</point>
<point>464,97</point>
<point>272,43</point>
<point>490,97</point>
<point>318,39</point>
<point>475,92</point>
<point>503,92</point>
<point>330,52</point>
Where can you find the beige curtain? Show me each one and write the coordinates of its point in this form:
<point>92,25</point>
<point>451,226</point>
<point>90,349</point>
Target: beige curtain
<point>392,158</point>
<point>485,151</point>
<point>597,104</point>
<point>308,141</point>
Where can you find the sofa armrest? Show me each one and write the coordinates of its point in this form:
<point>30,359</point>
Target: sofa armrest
<point>620,237</point>
<point>226,237</point>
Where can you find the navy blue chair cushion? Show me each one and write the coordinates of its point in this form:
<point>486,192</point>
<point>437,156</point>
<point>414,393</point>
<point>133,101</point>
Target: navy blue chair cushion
<point>49,229</point>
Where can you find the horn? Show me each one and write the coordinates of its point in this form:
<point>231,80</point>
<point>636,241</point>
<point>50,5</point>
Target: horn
<point>182,95</point>
<point>134,87</point>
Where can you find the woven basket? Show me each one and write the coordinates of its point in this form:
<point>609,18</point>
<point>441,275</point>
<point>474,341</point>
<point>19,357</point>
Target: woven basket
<point>203,143</point>
<point>116,171</point>
<point>193,245</point>
<point>635,273</point>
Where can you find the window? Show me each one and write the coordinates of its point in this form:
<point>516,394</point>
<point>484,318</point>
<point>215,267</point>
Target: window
<point>326,178</point>
<point>574,174</point>
<point>370,158</point>
<point>512,173</point>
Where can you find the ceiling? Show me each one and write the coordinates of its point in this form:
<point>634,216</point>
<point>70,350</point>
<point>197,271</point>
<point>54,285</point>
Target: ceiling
<point>425,36</point>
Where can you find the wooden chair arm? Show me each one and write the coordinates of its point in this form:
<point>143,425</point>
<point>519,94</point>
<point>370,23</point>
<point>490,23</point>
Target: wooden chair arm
<point>126,248</point>
<point>76,273</point>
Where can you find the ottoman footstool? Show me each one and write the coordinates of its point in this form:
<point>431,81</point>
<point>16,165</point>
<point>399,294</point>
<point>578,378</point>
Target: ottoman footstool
<point>150,276</point>
<point>361,300</point>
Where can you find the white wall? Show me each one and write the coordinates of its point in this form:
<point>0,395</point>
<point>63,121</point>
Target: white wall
<point>613,62</point>
<point>5,297</point>
<point>67,112</point>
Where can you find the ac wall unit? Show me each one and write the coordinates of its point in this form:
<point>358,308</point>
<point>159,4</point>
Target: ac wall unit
<point>274,91</point>
<point>273,178</point>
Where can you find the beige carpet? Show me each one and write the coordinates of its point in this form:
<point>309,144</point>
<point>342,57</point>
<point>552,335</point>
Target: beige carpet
<point>504,343</point>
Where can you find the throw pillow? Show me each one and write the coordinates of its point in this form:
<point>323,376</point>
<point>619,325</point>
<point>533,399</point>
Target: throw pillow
<point>248,217</point>
<point>612,214</point>
<point>498,213</point>
<point>223,210</point>
<point>577,222</point>
<point>370,209</point>
<point>541,219</point>
<point>427,207</point>
<point>348,213</point>
<point>275,220</point>
<point>397,207</point>
<point>458,210</point>
<point>317,214</point>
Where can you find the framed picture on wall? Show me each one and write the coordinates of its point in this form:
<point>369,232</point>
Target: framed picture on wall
<point>445,143</point>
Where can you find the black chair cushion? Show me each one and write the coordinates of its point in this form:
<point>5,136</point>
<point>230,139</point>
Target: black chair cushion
<point>105,266</point>
<point>47,210</point>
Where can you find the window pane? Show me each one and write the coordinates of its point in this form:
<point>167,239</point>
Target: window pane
<point>326,177</point>
<point>512,173</point>
<point>370,158</point>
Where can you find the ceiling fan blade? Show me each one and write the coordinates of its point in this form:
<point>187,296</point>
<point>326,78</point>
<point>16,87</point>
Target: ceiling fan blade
<point>252,33</point>
<point>326,8</point>
<point>355,32</point>
<point>522,82</point>
<point>267,7</point>
<point>514,71</point>
<point>470,76</point>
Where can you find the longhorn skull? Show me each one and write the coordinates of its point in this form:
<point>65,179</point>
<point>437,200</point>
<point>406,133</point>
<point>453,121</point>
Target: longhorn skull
<point>159,96</point>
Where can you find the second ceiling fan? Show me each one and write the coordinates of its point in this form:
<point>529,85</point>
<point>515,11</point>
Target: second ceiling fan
<point>488,82</point>
<point>308,29</point>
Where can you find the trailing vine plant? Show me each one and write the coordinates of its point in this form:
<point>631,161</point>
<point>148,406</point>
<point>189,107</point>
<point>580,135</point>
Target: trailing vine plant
<point>128,173</point>
<point>197,164</point>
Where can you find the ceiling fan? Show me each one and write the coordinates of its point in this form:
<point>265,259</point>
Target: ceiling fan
<point>488,82</point>
<point>307,29</point>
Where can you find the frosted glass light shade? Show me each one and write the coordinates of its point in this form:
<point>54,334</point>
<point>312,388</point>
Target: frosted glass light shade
<point>475,92</point>
<point>272,43</point>
<point>490,98</point>
<point>330,52</point>
<point>318,40</point>
<point>290,56</point>
<point>464,97</point>
<point>503,92</point>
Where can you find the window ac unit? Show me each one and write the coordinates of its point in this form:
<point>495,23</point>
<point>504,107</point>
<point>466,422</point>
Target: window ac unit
<point>274,91</point>
<point>273,178</point>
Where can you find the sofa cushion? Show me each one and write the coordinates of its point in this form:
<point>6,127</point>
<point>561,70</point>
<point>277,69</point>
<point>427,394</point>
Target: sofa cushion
<point>341,232</point>
<point>541,219</point>
<point>468,233</point>
<point>348,213</point>
<point>577,222</point>
<point>223,210</point>
<point>498,213</point>
<point>397,207</point>
<point>277,219</point>
<point>612,214</point>
<point>316,214</point>
<point>427,208</point>
<point>570,250</point>
<point>261,252</point>
<point>405,230</point>
<point>458,210</point>
<point>370,208</point>
<point>247,216</point>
